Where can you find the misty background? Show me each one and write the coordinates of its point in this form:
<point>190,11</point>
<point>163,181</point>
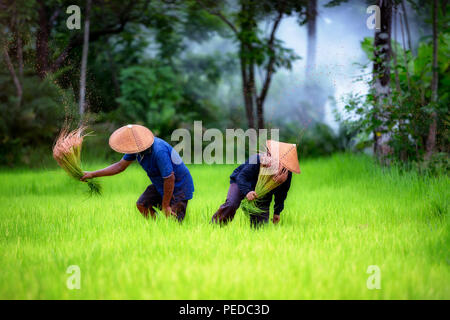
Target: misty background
<point>311,95</point>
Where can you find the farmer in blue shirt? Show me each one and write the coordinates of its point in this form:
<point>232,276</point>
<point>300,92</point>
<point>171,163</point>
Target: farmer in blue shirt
<point>172,184</point>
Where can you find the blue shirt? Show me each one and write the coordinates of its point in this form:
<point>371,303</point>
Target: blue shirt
<point>159,161</point>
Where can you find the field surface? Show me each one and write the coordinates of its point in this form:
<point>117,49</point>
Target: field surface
<point>342,215</point>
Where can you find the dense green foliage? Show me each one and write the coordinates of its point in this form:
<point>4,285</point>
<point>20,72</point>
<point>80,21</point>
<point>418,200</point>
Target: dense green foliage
<point>405,115</point>
<point>138,71</point>
<point>341,215</point>
<point>411,105</point>
<point>151,62</point>
<point>144,66</point>
<point>27,132</point>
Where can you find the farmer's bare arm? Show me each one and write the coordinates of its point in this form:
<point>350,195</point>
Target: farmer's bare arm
<point>169,185</point>
<point>113,169</point>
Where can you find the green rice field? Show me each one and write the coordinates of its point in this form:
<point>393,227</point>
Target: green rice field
<point>342,215</point>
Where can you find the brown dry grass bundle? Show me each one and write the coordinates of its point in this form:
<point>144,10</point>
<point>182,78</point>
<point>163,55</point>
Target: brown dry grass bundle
<point>67,153</point>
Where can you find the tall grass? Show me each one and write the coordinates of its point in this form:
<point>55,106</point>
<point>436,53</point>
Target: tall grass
<point>342,214</point>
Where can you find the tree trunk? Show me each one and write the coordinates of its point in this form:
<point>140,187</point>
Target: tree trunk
<point>405,17</point>
<point>13,74</point>
<point>269,72</point>
<point>42,38</point>
<point>381,74</point>
<point>431,140</point>
<point>253,95</point>
<point>394,52</point>
<point>248,78</point>
<point>403,153</point>
<point>404,54</point>
<point>260,113</point>
<point>311,51</point>
<point>84,59</point>
<point>246,92</point>
<point>20,54</point>
<point>18,40</point>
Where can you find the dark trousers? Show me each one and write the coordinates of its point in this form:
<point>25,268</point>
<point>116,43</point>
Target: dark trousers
<point>228,209</point>
<point>151,198</point>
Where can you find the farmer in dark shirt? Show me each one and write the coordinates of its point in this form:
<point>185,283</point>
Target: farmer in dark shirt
<point>244,178</point>
<point>172,184</point>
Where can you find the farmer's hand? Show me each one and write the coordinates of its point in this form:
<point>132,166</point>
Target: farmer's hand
<point>276,218</point>
<point>281,176</point>
<point>251,195</point>
<point>87,175</point>
<point>168,212</point>
<point>265,160</point>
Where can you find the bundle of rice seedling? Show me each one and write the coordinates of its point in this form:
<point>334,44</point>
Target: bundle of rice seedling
<point>67,153</point>
<point>264,185</point>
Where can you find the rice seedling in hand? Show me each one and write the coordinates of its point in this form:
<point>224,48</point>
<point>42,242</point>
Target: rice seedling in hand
<point>268,179</point>
<point>67,153</point>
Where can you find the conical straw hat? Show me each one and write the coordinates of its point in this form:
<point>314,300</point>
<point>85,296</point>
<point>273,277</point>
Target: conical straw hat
<point>286,153</point>
<point>132,138</point>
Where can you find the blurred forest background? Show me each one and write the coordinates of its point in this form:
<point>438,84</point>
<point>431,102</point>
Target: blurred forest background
<point>311,68</point>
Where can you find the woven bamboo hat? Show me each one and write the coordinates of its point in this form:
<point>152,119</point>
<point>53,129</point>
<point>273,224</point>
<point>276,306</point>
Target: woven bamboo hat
<point>286,153</point>
<point>132,138</point>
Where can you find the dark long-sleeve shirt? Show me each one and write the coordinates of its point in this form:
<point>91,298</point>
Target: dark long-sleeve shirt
<point>246,177</point>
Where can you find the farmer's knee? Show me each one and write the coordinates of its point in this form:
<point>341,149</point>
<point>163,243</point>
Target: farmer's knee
<point>141,207</point>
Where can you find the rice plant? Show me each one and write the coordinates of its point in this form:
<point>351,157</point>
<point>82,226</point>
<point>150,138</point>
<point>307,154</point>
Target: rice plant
<point>342,214</point>
<point>264,185</point>
<point>67,153</point>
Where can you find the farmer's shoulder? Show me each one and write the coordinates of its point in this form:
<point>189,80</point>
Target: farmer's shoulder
<point>159,145</point>
<point>129,156</point>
